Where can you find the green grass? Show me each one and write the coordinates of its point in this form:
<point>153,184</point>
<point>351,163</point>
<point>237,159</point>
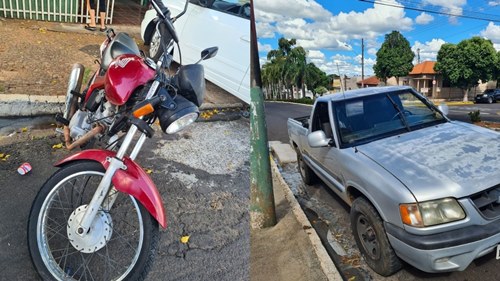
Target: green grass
<point>302,100</point>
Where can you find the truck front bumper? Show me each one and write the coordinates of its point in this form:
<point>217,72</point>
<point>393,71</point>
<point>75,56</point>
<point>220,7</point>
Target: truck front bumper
<point>449,251</point>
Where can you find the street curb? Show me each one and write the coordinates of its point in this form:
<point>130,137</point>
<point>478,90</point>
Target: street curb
<point>34,105</point>
<point>276,101</point>
<point>325,261</point>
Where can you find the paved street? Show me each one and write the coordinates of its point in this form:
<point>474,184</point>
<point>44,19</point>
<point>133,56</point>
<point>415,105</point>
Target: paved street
<point>203,177</point>
<point>277,113</point>
<point>323,204</point>
<point>489,112</point>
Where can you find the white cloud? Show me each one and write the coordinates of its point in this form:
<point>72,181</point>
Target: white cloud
<point>262,61</point>
<point>264,47</point>
<point>316,56</point>
<point>424,18</point>
<point>448,6</point>
<point>428,50</point>
<point>492,32</point>
<point>265,30</point>
<point>326,30</point>
<point>494,3</point>
<point>372,51</point>
<point>294,9</point>
<point>496,46</point>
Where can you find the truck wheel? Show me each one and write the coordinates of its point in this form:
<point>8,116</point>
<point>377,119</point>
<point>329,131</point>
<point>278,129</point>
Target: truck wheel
<point>308,176</point>
<point>370,236</point>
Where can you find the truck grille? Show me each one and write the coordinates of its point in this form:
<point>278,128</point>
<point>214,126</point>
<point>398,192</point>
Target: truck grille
<point>488,202</point>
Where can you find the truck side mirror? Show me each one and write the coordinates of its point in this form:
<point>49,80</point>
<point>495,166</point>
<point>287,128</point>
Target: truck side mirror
<point>318,139</point>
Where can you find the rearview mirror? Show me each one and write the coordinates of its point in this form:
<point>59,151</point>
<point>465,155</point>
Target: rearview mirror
<point>317,139</point>
<point>209,53</point>
<point>443,107</point>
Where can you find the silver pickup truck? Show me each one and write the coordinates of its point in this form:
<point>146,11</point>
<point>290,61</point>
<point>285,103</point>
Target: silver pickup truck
<point>422,188</point>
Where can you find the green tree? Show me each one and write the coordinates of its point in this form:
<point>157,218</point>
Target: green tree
<point>394,58</point>
<point>321,90</point>
<point>295,68</point>
<point>278,63</point>
<point>316,78</point>
<point>496,73</point>
<point>464,64</point>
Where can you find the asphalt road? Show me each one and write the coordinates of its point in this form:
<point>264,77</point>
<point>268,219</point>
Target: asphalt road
<point>329,208</point>
<point>277,114</point>
<point>203,177</point>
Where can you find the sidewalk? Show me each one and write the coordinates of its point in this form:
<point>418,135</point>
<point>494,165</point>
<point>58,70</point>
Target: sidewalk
<point>291,250</point>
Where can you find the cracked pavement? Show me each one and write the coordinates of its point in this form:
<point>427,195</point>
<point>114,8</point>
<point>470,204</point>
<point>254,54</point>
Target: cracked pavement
<point>203,176</point>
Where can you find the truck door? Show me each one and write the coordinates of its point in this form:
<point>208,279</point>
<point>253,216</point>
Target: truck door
<point>324,160</point>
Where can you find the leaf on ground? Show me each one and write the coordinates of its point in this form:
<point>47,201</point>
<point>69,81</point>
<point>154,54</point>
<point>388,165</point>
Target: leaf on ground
<point>58,146</point>
<point>148,171</point>
<point>352,278</point>
<point>4,157</point>
<point>185,239</point>
<point>25,129</point>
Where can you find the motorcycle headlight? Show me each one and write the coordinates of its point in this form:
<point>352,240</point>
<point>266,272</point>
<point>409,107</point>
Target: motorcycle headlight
<point>431,212</point>
<point>174,120</point>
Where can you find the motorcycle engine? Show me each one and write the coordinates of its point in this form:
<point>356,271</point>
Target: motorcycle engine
<point>83,121</point>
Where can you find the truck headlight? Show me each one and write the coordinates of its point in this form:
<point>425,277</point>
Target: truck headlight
<point>431,212</point>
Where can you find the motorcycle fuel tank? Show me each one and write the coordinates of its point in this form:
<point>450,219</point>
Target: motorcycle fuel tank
<point>124,75</point>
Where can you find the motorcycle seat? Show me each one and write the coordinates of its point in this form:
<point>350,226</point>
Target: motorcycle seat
<point>120,45</point>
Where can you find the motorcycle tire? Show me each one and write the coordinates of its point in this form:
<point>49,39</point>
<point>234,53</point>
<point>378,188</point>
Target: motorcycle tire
<point>120,245</point>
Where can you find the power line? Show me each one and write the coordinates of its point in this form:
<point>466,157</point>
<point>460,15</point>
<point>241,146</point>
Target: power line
<point>434,12</point>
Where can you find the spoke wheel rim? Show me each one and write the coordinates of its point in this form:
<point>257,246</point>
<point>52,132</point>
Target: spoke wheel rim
<point>368,237</point>
<point>154,46</point>
<point>63,269</point>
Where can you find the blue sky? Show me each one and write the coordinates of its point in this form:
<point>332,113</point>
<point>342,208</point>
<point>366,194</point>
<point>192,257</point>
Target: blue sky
<point>331,30</point>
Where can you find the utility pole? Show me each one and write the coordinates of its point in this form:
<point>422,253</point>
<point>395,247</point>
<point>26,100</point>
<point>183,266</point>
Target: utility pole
<point>262,210</point>
<point>362,63</point>
<point>418,55</point>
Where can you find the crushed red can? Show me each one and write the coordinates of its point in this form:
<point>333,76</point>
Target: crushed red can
<point>24,168</point>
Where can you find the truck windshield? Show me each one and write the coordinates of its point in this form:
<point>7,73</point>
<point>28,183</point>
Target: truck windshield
<point>372,117</point>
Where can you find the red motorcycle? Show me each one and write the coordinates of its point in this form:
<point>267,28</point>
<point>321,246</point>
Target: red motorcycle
<point>98,216</point>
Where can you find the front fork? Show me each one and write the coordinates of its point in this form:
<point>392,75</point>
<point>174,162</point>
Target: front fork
<point>115,163</point>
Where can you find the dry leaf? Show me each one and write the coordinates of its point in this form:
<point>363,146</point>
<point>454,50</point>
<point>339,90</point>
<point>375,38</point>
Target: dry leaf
<point>25,129</point>
<point>148,171</point>
<point>58,146</point>
<point>185,239</point>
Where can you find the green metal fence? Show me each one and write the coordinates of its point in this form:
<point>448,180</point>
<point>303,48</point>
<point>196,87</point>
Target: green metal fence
<point>50,10</point>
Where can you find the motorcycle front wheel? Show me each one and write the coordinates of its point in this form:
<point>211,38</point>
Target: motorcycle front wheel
<point>120,244</point>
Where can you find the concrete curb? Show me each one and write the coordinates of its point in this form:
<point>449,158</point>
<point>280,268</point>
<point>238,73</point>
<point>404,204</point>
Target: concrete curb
<point>34,105</point>
<point>276,101</point>
<point>326,262</point>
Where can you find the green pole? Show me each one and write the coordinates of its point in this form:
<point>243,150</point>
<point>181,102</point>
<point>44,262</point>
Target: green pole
<point>262,212</point>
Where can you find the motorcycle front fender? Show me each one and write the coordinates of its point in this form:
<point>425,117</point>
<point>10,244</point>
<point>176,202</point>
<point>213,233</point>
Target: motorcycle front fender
<point>133,181</point>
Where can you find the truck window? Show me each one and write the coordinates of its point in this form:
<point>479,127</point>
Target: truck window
<point>321,119</point>
<point>373,117</point>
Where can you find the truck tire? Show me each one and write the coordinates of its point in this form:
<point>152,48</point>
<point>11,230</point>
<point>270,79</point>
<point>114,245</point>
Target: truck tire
<point>369,233</point>
<point>306,173</point>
